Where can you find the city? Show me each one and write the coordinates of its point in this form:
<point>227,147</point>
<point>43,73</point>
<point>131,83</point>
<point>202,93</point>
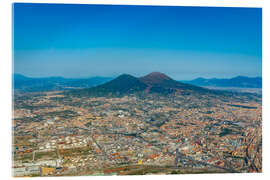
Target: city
<point>59,134</point>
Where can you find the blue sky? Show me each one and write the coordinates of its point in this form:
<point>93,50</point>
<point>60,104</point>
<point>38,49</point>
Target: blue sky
<point>103,40</point>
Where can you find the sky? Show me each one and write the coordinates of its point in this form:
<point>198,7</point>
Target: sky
<point>108,40</point>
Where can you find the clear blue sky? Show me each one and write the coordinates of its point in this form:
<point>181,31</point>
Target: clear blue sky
<point>103,40</point>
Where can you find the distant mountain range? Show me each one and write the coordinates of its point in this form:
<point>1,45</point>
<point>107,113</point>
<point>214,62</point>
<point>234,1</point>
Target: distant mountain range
<point>126,84</point>
<point>28,84</point>
<point>239,82</point>
<point>153,82</point>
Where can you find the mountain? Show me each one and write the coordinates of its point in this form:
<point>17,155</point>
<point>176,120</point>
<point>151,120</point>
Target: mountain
<point>239,82</point>
<point>20,77</point>
<point>27,84</point>
<point>156,78</point>
<point>152,83</point>
<point>123,84</point>
<point>158,82</point>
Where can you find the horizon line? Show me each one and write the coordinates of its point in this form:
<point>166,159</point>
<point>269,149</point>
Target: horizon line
<point>87,77</point>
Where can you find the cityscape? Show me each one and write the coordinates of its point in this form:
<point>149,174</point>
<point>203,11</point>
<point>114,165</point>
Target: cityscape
<point>135,90</point>
<point>188,130</point>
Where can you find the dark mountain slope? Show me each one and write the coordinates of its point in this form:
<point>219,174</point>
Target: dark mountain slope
<point>123,84</point>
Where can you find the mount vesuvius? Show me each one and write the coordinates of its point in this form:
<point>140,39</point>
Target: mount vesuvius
<point>153,83</point>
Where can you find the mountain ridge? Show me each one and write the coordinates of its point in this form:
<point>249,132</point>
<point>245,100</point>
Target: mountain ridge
<point>154,81</point>
<point>23,83</point>
<point>157,83</point>
<point>238,81</point>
